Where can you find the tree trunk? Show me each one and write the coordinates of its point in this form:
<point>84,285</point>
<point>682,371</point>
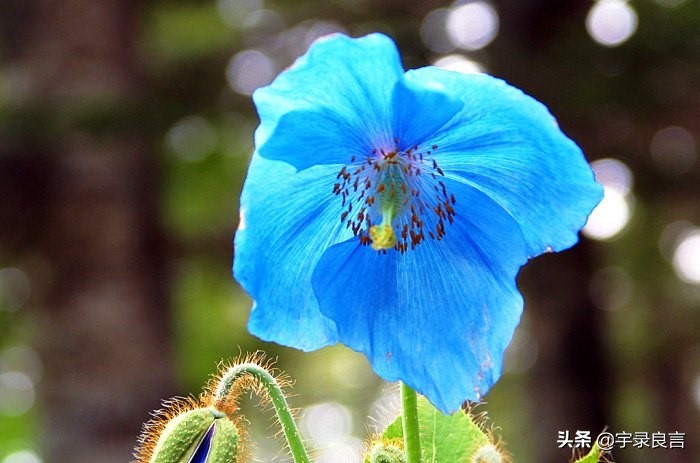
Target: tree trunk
<point>102,309</point>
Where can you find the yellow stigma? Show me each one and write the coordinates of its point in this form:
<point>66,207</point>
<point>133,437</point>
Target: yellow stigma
<point>383,236</point>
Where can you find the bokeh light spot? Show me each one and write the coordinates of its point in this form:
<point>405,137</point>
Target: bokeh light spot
<point>249,70</point>
<point>673,149</point>
<point>611,216</point>
<point>686,258</point>
<point>321,29</point>
<point>329,426</point>
<point>16,393</point>
<point>297,40</point>
<point>671,235</point>
<point>22,456</point>
<point>192,138</point>
<point>23,359</point>
<point>472,25</point>
<point>459,63</point>
<point>261,24</point>
<point>346,451</point>
<point>326,423</point>
<point>611,22</point>
<point>613,173</point>
<point>235,12</point>
<point>433,31</point>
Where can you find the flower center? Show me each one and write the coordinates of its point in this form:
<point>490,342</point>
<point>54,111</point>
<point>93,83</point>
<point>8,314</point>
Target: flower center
<point>395,199</point>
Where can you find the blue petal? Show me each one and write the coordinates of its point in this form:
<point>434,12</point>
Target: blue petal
<point>438,317</point>
<point>420,110</point>
<point>510,147</point>
<point>204,446</point>
<point>305,138</point>
<point>332,103</point>
<point>288,219</point>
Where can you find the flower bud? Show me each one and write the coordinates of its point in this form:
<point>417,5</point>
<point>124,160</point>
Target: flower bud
<point>489,453</point>
<point>202,435</point>
<point>386,452</point>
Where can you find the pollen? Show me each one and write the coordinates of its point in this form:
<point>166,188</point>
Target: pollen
<point>395,198</point>
<point>382,237</point>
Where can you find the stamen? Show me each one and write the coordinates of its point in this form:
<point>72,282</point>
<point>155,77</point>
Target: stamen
<point>389,187</point>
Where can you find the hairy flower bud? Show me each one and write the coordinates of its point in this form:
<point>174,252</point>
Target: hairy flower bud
<point>487,454</point>
<point>201,435</point>
<point>381,454</point>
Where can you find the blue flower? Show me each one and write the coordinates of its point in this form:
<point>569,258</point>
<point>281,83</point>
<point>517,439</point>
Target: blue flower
<point>391,211</point>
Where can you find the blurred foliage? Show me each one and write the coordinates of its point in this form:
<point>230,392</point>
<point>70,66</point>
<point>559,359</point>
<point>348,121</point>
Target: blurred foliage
<point>181,31</point>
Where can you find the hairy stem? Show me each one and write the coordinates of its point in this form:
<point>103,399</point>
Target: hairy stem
<point>411,426</point>
<point>279,402</point>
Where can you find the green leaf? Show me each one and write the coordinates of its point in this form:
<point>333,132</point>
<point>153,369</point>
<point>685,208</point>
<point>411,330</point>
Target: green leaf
<point>444,438</point>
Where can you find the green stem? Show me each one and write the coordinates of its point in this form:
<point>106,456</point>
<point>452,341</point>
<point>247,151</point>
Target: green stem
<point>411,426</point>
<point>279,402</point>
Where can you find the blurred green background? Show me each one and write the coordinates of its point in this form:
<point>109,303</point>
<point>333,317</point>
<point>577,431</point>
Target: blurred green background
<point>125,131</point>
